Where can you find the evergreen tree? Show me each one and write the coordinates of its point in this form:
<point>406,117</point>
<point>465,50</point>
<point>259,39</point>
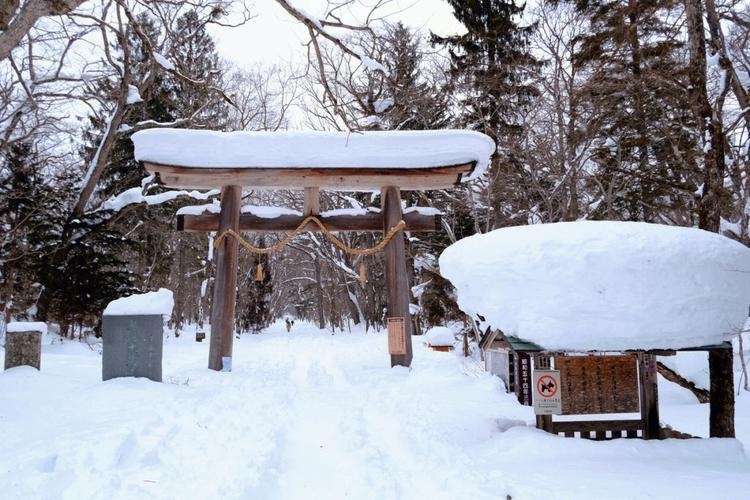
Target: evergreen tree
<point>492,65</point>
<point>26,209</point>
<point>417,102</point>
<point>254,295</point>
<point>195,56</point>
<point>647,151</point>
<point>34,207</point>
<point>92,274</point>
<point>106,254</point>
<point>493,73</point>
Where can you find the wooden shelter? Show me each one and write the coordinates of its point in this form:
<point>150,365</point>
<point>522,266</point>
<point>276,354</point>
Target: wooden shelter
<point>591,383</point>
<point>388,162</point>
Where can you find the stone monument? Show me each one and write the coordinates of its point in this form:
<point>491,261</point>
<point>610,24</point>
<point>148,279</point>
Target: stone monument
<point>133,335</point>
<point>23,344</point>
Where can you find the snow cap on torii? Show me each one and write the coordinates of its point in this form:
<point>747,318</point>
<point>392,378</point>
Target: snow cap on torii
<point>350,161</point>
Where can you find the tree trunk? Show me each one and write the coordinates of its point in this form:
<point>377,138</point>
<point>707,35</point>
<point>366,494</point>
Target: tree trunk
<point>709,208</point>
<point>725,62</point>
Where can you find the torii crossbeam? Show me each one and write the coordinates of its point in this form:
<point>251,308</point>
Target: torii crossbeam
<point>374,161</point>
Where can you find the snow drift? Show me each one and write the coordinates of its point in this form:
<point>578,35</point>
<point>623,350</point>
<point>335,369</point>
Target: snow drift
<point>604,285</point>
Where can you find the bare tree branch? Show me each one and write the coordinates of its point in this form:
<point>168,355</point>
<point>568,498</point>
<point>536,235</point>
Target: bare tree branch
<point>15,27</point>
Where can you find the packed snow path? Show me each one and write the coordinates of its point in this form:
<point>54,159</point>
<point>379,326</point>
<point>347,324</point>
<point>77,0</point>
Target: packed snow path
<point>308,414</point>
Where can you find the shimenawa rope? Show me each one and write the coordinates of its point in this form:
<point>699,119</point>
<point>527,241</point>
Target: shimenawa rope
<point>281,244</point>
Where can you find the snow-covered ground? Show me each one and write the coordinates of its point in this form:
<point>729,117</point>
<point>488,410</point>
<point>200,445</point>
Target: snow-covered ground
<point>312,415</point>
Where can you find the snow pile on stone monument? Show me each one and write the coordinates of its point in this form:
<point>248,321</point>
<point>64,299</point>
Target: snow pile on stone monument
<point>600,285</point>
<point>26,326</point>
<point>149,303</point>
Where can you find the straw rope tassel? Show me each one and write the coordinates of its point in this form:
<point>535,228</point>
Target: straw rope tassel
<point>259,272</point>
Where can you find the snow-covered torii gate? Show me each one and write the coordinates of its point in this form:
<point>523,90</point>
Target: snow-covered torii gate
<point>385,162</point>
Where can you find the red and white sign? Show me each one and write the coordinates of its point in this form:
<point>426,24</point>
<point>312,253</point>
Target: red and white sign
<point>547,399</point>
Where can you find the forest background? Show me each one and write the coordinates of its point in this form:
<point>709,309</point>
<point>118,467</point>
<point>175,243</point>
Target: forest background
<point>631,110</point>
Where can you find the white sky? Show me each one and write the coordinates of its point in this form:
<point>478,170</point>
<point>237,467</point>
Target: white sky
<point>274,37</point>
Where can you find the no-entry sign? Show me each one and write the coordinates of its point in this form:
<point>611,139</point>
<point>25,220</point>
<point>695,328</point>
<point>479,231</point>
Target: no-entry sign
<point>547,399</point>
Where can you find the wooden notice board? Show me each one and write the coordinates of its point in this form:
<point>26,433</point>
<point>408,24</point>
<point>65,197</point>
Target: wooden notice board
<point>598,384</point>
<point>396,336</point>
<point>522,372</point>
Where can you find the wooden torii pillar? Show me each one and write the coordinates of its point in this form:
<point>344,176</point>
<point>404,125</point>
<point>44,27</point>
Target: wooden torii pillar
<point>225,283</point>
<point>226,257</point>
<point>396,277</point>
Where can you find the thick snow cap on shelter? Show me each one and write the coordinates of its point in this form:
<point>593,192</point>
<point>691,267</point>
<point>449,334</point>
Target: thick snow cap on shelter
<point>580,286</point>
<point>303,149</point>
<point>160,302</point>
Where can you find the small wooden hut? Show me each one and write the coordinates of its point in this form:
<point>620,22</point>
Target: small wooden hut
<point>602,395</point>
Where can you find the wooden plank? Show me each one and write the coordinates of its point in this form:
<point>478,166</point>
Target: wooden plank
<point>598,384</point>
<point>312,201</point>
<point>596,425</point>
<point>548,424</point>
<point>542,361</point>
<point>649,396</point>
<point>545,423</point>
<point>225,284</point>
<point>601,435</point>
<point>540,422</point>
<point>344,179</point>
<point>396,274</point>
<point>371,222</point>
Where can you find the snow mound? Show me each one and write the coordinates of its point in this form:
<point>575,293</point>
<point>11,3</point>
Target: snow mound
<point>438,336</point>
<point>212,208</point>
<point>135,195</point>
<point>26,326</point>
<point>159,302</point>
<point>264,212</point>
<point>599,285</point>
<point>302,149</point>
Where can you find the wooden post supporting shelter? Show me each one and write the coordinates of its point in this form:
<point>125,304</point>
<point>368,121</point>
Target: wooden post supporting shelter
<point>721,375</point>
<point>649,394</point>
<point>396,276</point>
<point>225,284</point>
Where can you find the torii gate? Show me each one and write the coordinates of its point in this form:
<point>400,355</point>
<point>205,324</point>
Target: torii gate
<point>387,162</point>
